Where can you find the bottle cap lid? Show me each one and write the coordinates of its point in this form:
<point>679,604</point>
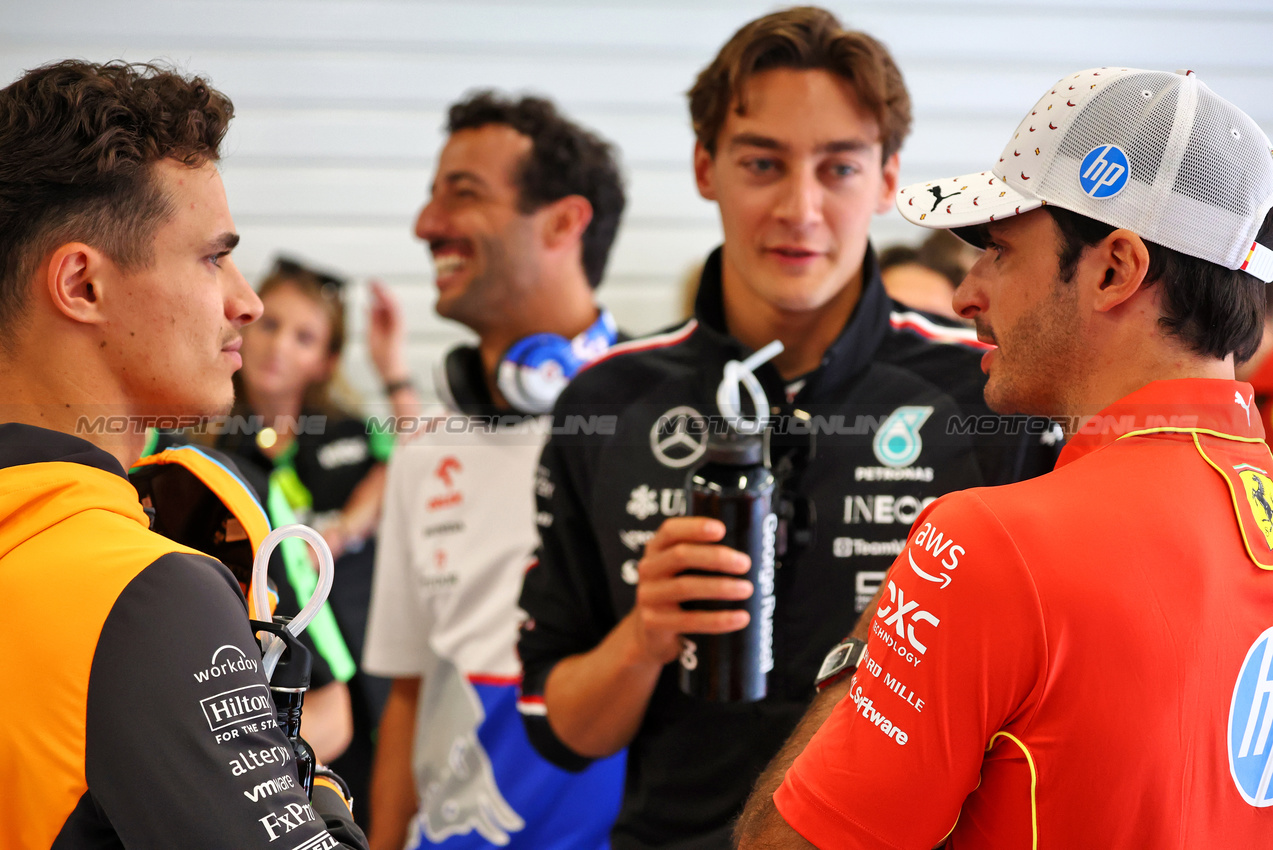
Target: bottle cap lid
<point>293,669</point>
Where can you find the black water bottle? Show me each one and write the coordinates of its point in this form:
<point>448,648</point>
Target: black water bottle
<point>288,684</point>
<point>735,485</point>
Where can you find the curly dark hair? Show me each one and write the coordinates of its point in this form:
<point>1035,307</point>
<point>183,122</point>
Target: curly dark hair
<point>804,38</point>
<point>565,159</point>
<point>77,142</point>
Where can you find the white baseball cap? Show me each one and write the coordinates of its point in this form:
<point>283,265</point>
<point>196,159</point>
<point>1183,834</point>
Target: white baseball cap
<point>1153,152</point>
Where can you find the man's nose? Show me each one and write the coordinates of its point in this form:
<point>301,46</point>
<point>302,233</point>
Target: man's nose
<point>428,223</point>
<point>970,298</point>
<point>801,204</point>
<point>242,305</point>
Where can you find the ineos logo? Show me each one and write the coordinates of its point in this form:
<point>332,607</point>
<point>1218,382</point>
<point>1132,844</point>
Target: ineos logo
<point>679,437</point>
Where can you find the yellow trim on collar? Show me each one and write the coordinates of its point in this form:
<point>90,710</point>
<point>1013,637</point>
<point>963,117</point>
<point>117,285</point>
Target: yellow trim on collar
<point>1237,507</point>
<point>1195,431</point>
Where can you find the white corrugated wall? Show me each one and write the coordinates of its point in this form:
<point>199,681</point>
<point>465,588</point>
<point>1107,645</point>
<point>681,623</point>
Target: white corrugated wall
<point>339,105</point>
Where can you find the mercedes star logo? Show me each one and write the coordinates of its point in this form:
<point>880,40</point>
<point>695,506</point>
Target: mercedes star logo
<point>679,437</point>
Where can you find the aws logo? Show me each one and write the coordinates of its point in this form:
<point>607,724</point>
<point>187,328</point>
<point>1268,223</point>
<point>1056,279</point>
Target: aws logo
<point>936,544</point>
<point>897,443</point>
<point>1259,495</point>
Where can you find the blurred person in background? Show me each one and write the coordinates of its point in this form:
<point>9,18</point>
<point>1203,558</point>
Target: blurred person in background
<point>325,468</point>
<point>523,210</point>
<point>925,278</point>
<point>1258,371</point>
<point>949,254</point>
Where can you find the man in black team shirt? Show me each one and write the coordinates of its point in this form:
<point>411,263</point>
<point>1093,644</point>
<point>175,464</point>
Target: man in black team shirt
<point>799,124</point>
<point>135,710</point>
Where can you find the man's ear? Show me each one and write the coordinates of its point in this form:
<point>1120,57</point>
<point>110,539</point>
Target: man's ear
<point>1121,262</point>
<point>704,174</point>
<point>73,277</point>
<point>567,220</point>
<point>888,187</point>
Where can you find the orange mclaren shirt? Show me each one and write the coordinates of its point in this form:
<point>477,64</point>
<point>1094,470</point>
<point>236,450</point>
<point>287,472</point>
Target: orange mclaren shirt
<point>1079,660</point>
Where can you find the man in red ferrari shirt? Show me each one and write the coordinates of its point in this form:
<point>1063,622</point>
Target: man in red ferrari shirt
<point>1083,659</point>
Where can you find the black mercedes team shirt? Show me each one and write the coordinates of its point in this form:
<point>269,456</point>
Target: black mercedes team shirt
<point>899,419</point>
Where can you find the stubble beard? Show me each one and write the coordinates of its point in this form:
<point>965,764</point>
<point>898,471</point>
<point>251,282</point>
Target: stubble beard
<point>1040,359</point>
<point>483,304</point>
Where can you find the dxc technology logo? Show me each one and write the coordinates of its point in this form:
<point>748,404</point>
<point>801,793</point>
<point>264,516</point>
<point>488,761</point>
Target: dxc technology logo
<point>1104,171</point>
<point>1250,719</point>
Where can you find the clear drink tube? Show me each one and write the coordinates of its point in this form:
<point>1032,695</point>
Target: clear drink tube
<point>326,575</point>
<point>729,399</point>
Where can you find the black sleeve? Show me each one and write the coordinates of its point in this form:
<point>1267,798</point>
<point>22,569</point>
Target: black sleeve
<point>182,749</point>
<point>564,596</point>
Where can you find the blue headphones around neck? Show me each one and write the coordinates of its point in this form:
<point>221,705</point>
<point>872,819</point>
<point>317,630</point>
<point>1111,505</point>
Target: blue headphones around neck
<point>533,371</point>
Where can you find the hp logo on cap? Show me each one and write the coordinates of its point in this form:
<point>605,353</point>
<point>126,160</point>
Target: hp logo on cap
<point>1104,171</point>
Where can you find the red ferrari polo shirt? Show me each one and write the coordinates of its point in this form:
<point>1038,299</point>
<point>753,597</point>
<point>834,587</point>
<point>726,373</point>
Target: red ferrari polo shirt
<point>1078,660</point>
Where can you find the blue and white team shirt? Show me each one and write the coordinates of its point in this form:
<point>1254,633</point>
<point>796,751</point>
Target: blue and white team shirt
<point>457,535</point>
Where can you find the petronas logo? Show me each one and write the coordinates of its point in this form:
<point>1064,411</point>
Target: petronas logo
<point>898,443</point>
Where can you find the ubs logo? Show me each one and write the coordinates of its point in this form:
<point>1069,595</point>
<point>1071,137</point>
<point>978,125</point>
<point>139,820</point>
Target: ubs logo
<point>1250,718</point>
<point>679,437</point>
<point>644,502</point>
<point>1104,171</point>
